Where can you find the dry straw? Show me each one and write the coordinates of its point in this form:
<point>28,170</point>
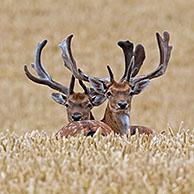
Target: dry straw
<point>38,163</point>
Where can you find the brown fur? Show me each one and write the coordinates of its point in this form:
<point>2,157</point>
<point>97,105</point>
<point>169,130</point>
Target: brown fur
<point>141,130</point>
<point>110,122</point>
<point>79,97</point>
<point>87,127</point>
<point>120,91</point>
<point>79,102</point>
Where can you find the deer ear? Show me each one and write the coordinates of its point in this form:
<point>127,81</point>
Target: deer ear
<point>98,86</point>
<point>98,99</point>
<point>139,87</point>
<point>59,98</point>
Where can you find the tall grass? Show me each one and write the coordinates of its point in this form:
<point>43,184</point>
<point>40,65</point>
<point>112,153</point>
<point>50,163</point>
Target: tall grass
<point>38,163</point>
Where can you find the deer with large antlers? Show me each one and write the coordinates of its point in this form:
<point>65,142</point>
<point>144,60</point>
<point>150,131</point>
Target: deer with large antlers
<point>119,94</point>
<point>78,105</point>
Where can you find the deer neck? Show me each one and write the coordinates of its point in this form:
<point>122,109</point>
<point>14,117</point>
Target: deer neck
<point>118,121</point>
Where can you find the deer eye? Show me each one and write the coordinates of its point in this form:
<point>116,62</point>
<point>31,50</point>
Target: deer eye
<point>108,93</point>
<point>89,105</point>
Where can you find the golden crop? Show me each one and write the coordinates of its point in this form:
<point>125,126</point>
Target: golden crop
<point>38,163</point>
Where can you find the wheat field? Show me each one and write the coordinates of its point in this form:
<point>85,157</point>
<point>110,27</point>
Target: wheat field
<point>33,161</point>
<point>38,163</point>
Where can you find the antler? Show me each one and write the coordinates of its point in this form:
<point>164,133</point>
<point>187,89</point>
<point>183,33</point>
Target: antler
<point>70,62</point>
<point>139,57</point>
<point>43,77</point>
<point>133,59</point>
<point>84,87</point>
<point>111,75</point>
<point>68,59</point>
<point>127,48</point>
<point>71,85</point>
<point>165,52</point>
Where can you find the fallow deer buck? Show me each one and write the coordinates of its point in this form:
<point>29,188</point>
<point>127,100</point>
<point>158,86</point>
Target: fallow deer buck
<point>78,105</point>
<point>119,94</point>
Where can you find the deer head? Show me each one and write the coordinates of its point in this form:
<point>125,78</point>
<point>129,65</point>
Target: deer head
<point>119,94</point>
<point>78,105</point>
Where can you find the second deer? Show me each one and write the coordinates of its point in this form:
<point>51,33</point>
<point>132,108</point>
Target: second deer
<point>78,104</point>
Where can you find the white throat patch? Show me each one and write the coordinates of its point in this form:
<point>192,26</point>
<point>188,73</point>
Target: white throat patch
<point>125,122</point>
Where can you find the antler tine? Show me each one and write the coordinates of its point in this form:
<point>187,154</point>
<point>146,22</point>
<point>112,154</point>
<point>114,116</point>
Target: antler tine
<point>110,73</point>
<point>37,66</point>
<point>68,59</point>
<point>139,55</point>
<point>131,69</point>
<point>43,77</point>
<point>127,48</point>
<point>165,52</point>
<point>86,89</point>
<point>71,86</point>
<point>70,62</point>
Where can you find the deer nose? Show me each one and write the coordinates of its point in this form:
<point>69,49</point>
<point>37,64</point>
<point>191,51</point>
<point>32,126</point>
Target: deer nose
<point>122,104</point>
<point>76,116</point>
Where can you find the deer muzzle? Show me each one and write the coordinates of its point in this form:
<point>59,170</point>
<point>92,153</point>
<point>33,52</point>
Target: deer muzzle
<point>122,105</point>
<point>76,116</point>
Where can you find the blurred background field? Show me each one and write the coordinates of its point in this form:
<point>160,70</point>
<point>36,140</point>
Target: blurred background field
<point>97,26</point>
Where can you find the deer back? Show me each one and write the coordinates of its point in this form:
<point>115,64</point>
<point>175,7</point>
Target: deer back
<point>87,127</point>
